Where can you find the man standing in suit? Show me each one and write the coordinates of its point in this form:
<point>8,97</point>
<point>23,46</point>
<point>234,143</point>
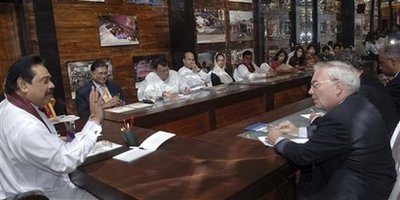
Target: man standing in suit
<point>110,93</point>
<point>389,59</point>
<point>348,154</point>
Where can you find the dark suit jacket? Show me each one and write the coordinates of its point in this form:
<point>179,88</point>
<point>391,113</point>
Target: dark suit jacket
<point>349,154</point>
<point>215,80</point>
<point>393,87</point>
<point>82,95</point>
<point>375,92</point>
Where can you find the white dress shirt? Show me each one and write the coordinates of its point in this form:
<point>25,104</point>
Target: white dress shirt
<point>154,86</point>
<point>242,73</point>
<point>33,158</point>
<point>194,79</point>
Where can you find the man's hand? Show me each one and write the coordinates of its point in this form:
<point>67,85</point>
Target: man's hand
<point>273,134</point>
<point>186,91</point>
<point>288,128</point>
<point>96,106</point>
<point>170,95</point>
<point>195,68</point>
<point>115,101</point>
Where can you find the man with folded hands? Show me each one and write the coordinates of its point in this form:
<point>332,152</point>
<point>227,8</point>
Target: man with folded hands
<point>162,83</point>
<point>348,154</point>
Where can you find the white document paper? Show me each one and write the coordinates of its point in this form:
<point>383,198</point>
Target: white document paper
<point>149,145</point>
<point>103,146</point>
<point>65,118</point>
<point>128,107</point>
<point>263,139</point>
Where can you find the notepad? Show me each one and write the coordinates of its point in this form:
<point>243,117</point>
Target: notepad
<point>257,127</point>
<point>148,146</point>
<point>263,139</point>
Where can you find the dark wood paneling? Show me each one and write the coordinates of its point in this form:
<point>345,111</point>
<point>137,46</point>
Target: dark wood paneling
<point>78,38</point>
<point>9,42</point>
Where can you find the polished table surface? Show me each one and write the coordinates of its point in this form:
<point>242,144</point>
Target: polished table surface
<point>214,107</point>
<point>217,165</point>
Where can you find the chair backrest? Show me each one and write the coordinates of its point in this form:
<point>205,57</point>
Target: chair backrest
<point>395,144</point>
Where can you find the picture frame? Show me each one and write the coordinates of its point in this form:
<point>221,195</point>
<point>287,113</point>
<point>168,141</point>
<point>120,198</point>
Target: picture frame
<point>146,2</point>
<point>210,25</point>
<point>118,30</point>
<point>79,73</point>
<point>242,26</point>
<point>143,65</point>
<point>206,60</point>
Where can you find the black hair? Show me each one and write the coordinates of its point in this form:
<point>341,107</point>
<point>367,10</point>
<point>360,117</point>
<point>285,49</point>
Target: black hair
<point>160,61</point>
<point>246,53</point>
<point>325,48</point>
<point>21,68</point>
<point>96,64</point>
<point>279,53</point>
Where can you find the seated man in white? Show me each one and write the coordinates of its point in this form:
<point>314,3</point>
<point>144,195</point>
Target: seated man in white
<point>193,75</point>
<point>163,82</point>
<point>250,71</point>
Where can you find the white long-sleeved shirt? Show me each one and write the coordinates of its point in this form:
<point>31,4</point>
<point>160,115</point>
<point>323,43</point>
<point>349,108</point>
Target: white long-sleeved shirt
<point>242,73</point>
<point>194,79</point>
<point>33,158</point>
<point>154,86</point>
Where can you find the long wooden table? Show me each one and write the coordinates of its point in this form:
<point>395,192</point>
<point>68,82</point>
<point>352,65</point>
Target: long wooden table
<point>217,165</point>
<point>215,107</point>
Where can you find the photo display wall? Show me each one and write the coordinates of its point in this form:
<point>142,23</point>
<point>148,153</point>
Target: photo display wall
<point>223,26</point>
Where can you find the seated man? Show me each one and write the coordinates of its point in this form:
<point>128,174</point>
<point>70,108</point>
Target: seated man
<point>163,82</point>
<point>110,92</point>
<point>348,154</point>
<point>248,70</point>
<point>193,75</point>
<point>389,58</point>
<point>32,155</point>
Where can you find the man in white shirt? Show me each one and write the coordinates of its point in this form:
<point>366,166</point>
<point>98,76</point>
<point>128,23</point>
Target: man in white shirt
<point>193,75</point>
<point>248,70</point>
<point>32,155</point>
<point>163,82</point>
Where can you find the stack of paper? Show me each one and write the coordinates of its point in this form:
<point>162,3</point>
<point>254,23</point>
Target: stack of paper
<point>103,146</point>
<point>257,127</point>
<point>128,107</point>
<point>263,139</point>
<point>149,145</point>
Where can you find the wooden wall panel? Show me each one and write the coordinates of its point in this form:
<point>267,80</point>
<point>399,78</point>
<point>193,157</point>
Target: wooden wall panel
<point>237,112</point>
<point>9,42</point>
<point>78,38</point>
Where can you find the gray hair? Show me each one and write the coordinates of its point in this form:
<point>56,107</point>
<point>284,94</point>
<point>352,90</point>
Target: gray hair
<point>392,50</point>
<point>343,72</point>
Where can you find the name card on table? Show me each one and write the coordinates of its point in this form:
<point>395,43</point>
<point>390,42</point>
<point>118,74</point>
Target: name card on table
<point>148,146</point>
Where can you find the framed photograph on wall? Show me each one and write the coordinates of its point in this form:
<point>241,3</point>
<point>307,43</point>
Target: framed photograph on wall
<point>118,30</point>
<point>93,0</point>
<point>210,25</point>
<point>236,56</point>
<point>242,1</point>
<point>142,65</point>
<point>206,60</point>
<point>273,28</point>
<point>242,27</point>
<point>147,2</point>
<point>79,73</point>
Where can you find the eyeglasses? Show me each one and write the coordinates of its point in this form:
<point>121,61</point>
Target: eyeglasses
<point>316,85</point>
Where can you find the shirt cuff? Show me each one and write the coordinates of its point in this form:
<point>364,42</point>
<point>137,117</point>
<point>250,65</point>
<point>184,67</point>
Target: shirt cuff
<point>303,132</point>
<point>280,138</point>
